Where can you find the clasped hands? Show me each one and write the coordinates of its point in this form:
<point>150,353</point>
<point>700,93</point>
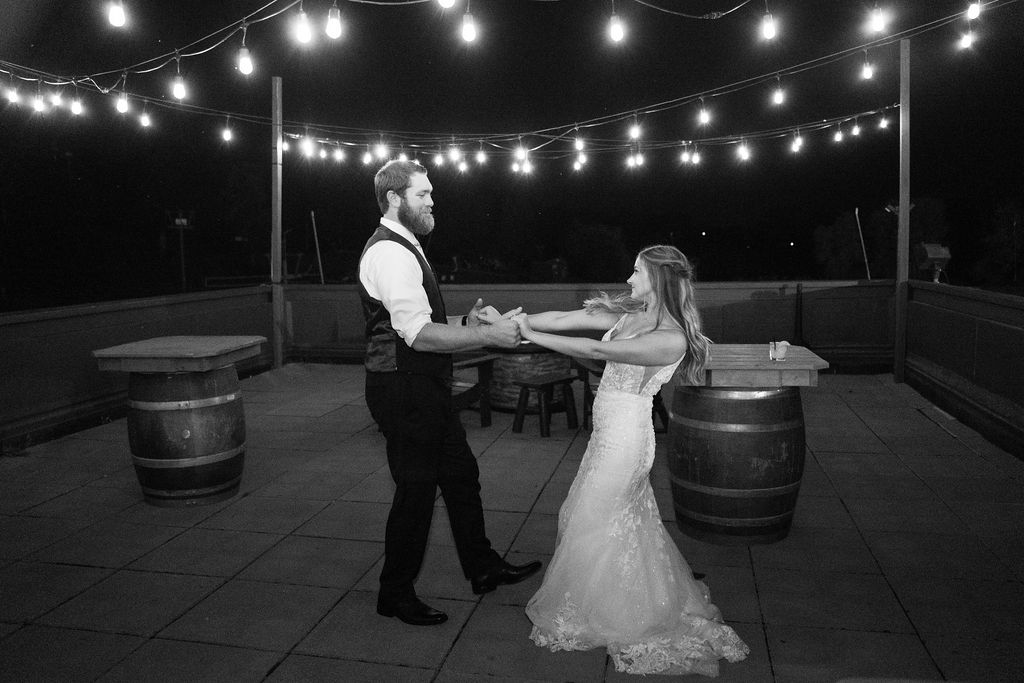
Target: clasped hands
<point>504,328</point>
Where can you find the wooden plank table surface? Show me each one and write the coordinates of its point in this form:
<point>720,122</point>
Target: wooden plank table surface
<point>748,365</point>
<point>198,353</point>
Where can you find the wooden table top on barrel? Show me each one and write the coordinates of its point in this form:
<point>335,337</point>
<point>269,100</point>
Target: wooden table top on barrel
<point>199,353</point>
<point>748,365</point>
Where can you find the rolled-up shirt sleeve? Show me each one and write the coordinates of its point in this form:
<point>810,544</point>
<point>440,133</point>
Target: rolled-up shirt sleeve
<point>392,275</point>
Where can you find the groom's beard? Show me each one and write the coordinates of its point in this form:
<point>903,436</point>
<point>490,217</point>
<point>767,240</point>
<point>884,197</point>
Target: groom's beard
<point>419,222</point>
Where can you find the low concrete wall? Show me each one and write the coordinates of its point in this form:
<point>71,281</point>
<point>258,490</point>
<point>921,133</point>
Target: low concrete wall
<point>50,380</point>
<point>965,351</point>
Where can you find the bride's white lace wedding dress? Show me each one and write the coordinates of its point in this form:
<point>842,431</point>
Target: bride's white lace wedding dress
<point>617,580</point>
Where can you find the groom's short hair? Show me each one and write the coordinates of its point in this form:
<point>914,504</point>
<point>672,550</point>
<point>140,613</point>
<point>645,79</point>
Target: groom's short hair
<point>394,176</point>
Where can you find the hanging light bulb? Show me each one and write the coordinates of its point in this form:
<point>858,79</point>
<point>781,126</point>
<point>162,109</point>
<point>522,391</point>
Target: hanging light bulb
<point>322,153</point>
<point>178,89</point>
<point>454,154</point>
<point>743,152</point>
<point>974,10</point>
<point>867,72</point>
<point>402,156</point>
<point>446,4</point>
<point>576,165</point>
<point>582,158</point>
<point>367,157</point>
<point>122,103</point>
<point>768,26</point>
<point>115,13</point>
<point>76,107</point>
<point>631,161</point>
<point>797,144</point>
<point>38,104</point>
<point>226,133</point>
<point>382,151</point>
<point>144,120</point>
<point>333,28</point>
<point>685,156</point>
<point>856,129</point>
<point>695,157</point>
<point>704,117</point>
<point>339,154</point>
<point>468,27</point>
<point>481,157</point>
<point>616,29</point>
<point>306,145</point>
<point>521,153</point>
<point>838,137</point>
<point>244,58</point>
<point>779,95</point>
<point>527,167</point>
<point>303,31</point>
<point>883,123</point>
<point>639,159</point>
<point>877,20</point>
<point>463,166</point>
<point>439,160</point>
<point>12,95</point>
<point>634,130</point>
<point>966,40</point>
<point>579,144</point>
<point>56,100</point>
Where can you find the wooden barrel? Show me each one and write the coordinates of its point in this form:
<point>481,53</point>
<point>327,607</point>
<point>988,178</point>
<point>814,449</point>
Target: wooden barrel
<point>525,362</point>
<point>736,457</point>
<point>187,435</point>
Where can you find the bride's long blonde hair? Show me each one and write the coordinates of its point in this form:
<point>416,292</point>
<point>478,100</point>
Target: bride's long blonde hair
<point>671,276</point>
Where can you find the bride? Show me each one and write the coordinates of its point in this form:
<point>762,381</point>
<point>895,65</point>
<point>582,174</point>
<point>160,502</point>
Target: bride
<point>617,579</point>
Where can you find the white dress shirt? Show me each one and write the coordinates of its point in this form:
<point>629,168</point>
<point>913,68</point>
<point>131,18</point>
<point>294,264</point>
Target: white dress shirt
<point>392,275</point>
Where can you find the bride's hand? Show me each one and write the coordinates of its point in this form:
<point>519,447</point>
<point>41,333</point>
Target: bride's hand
<point>523,320</point>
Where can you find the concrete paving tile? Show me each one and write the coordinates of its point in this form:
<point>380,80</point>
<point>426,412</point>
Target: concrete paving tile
<point>46,654</point>
<point>123,478</point>
<point>108,543</point>
<point>934,555</point>
<point>973,607</point>
<point>87,502</point>
<point>307,561</point>
<point>21,536</point>
<point>140,603</point>
<point>30,589</point>
<point>302,669</point>
<point>734,592</point>
<point>970,659</point>
<point>840,464</point>
<point>276,421</point>
<point>938,443</point>
<point>20,496</point>
<point>959,467</point>
<point>957,489</point>
<point>269,515</point>
<point>701,555</point>
<point>821,512</point>
<point>834,550</point>
<point>550,500</point>
<point>264,616</point>
<point>377,487</point>
<point>538,534</point>
<point>171,661</point>
<point>496,642</point>
<point>309,485</point>
<point>6,630</point>
<point>826,439</point>
<point>454,677</point>
<point>1010,551</point>
<point>351,520</point>
<point>835,600</point>
<point>813,655</point>
<point>303,408</point>
<point>883,487</point>
<point>927,516</point>
<point>989,519</point>
<point>116,430</point>
<point>181,517</point>
<point>508,493</point>
<point>814,481</point>
<point>354,630</point>
<point>346,419</point>
<point>207,552</point>
<point>352,456</point>
<point>756,668</point>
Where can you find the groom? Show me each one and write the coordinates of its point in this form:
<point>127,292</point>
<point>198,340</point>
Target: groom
<point>410,340</point>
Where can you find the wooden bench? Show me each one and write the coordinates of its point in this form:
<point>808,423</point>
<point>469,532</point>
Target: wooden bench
<point>466,393</point>
<point>545,385</point>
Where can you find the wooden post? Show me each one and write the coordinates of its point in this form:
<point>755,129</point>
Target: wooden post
<point>276,288</point>
<point>903,230</point>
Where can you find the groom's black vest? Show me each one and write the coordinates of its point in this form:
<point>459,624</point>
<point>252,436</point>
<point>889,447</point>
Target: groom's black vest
<point>385,350</point>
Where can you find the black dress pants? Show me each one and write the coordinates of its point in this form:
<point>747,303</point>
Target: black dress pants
<point>427,449</point>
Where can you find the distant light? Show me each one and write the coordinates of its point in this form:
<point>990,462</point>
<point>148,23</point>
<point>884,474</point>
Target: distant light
<point>454,154</point>
<point>244,61</point>
<point>515,167</point>
<point>579,144</point>
<point>768,26</point>
<point>876,24</point>
<point>178,89</point>
<point>463,167</point>
<point>792,244</point>
<point>703,233</point>
<point>704,117</point>
<point>367,158</point>
<point>481,157</point>
<point>322,153</point>
<point>122,103</point>
<point>797,144</point>
<point>56,99</point>
<point>226,134</point>
<point>527,167</point>
<point>76,107</point>
<point>446,4</point>
<point>743,152</point>
<point>779,96</point>
<point>685,156</point>
<point>12,95</point>
<point>333,28</point>
<point>883,123</point>
<point>966,40</point>
<point>634,131</point>
<point>521,153</point>
<point>339,154</point>
<point>855,130</point>
<point>144,120</point>
<point>439,160</point>
<point>576,165</point>
<point>285,146</point>
<point>838,137</point>
<point>303,31</point>
<point>867,72</point>
<point>402,156</point>
<point>381,151</point>
<point>973,10</point>
<point>631,161</point>
<point>38,104</point>
<point>639,159</point>
<point>616,31</point>
<point>468,28</point>
<point>307,147</point>
<point>695,158</point>
<point>582,158</point>
<point>115,14</point>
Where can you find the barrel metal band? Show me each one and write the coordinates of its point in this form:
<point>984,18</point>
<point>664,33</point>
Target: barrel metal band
<point>737,493</point>
<point>739,394</point>
<point>158,463</point>
<point>191,493</point>
<point>736,521</point>
<point>183,405</point>
<point>736,427</point>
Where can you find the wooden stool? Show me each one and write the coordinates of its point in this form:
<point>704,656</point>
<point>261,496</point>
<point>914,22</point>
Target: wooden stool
<point>544,385</point>
<point>466,393</point>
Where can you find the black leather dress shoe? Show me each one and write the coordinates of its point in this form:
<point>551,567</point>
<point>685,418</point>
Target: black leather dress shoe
<point>411,612</point>
<point>504,573</point>
<point>697,576</point>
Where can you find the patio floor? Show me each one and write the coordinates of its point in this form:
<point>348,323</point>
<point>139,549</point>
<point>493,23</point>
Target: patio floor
<point>905,561</point>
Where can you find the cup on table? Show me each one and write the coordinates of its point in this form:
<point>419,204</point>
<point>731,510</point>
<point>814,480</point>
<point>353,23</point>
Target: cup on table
<point>778,350</point>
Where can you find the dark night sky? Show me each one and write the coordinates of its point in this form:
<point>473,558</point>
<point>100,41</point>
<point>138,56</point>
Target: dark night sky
<point>84,202</point>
